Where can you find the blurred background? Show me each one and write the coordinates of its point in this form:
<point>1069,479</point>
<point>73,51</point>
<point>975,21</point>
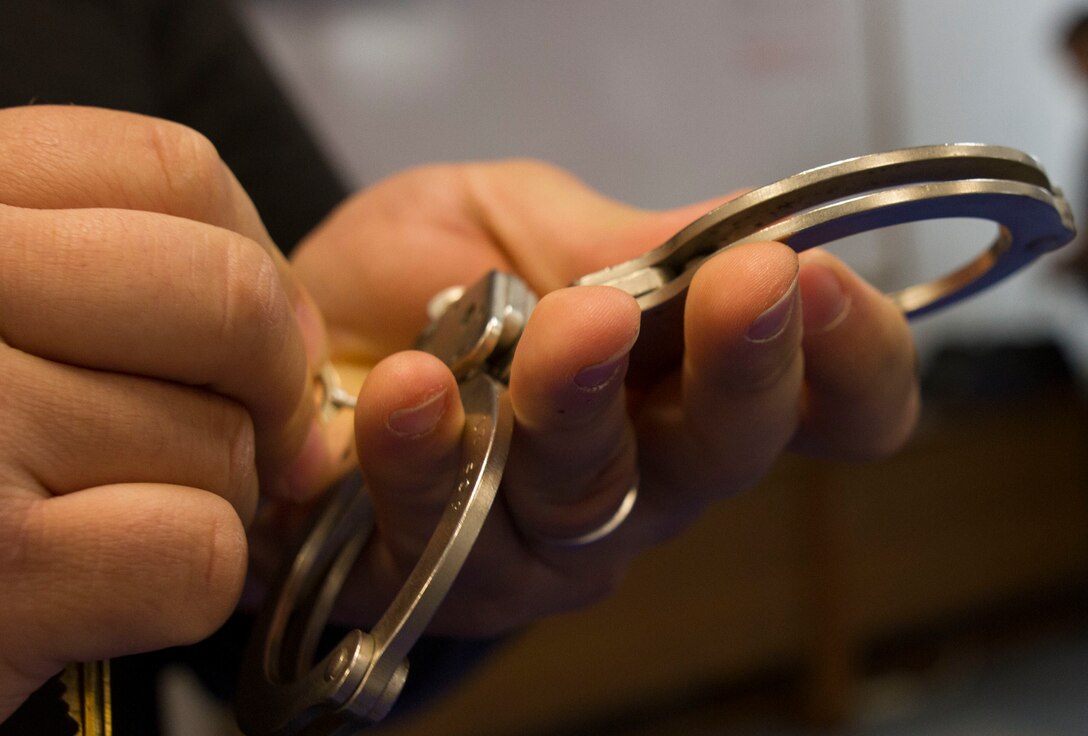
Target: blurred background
<point>944,591</point>
<point>664,102</point>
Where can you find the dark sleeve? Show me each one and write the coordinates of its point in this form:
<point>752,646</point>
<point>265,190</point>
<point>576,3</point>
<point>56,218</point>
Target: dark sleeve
<point>218,85</point>
<point>184,60</point>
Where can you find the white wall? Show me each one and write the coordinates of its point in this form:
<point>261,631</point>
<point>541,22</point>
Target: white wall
<point>664,101</point>
<point>994,70</point>
<point>657,102</point>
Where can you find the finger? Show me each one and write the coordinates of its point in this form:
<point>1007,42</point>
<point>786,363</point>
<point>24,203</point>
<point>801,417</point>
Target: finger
<point>133,292</point>
<point>509,215</point>
<point>527,206</point>
<point>408,424</point>
<point>862,395</point>
<point>741,376</point>
<point>422,216</point>
<point>573,455</point>
<point>102,428</point>
<point>161,566</point>
<point>77,157</point>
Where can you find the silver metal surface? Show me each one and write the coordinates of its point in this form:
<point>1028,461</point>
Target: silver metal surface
<point>282,691</point>
<point>475,331</point>
<point>613,523</point>
<point>479,330</point>
<point>849,197</point>
<point>332,397</point>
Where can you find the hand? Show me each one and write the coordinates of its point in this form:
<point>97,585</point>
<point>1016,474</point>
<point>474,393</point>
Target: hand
<point>782,353</point>
<point>154,375</point>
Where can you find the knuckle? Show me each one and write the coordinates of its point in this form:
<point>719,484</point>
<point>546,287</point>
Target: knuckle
<point>255,311</point>
<point>517,166</point>
<point>241,467</point>
<point>533,166</point>
<point>191,172</point>
<point>212,571</point>
<point>22,532</point>
<point>224,568</point>
<point>486,179</point>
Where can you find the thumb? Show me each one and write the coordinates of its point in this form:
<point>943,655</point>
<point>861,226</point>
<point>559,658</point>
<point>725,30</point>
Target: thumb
<point>557,228</point>
<point>159,566</point>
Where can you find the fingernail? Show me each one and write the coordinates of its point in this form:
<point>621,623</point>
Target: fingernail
<point>773,322</point>
<point>596,377</point>
<point>418,420</point>
<point>825,301</point>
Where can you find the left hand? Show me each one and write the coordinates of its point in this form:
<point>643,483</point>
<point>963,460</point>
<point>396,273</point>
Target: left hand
<point>781,353</point>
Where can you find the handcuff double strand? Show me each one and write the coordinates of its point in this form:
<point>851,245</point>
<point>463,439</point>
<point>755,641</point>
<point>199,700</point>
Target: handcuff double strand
<point>283,692</point>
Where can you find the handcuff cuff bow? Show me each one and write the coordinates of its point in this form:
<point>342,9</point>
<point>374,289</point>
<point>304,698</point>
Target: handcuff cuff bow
<point>284,692</point>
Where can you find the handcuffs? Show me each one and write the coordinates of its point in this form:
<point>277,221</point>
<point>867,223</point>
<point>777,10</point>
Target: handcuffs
<point>284,691</point>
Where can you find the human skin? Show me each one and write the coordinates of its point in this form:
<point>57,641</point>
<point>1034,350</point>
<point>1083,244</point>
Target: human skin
<point>783,352</point>
<point>155,376</point>
<point>158,357</point>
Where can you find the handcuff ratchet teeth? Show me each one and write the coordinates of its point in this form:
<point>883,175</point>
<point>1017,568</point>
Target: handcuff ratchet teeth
<point>283,692</point>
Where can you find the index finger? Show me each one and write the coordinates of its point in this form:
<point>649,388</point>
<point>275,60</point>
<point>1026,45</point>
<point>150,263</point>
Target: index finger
<point>862,398</point>
<point>78,157</point>
<point>87,166</point>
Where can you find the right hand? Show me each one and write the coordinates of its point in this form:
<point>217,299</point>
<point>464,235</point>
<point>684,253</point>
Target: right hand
<point>782,352</point>
<point>155,355</point>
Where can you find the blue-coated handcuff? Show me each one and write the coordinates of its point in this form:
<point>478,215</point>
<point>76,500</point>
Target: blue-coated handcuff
<point>284,691</point>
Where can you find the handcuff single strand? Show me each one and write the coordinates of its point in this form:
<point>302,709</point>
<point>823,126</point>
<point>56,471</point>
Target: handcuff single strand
<point>284,692</point>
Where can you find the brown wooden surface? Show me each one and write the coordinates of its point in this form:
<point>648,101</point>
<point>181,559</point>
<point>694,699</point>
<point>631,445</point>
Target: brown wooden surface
<point>984,506</point>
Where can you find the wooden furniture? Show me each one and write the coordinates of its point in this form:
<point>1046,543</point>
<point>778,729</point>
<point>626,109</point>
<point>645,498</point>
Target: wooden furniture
<point>987,504</point>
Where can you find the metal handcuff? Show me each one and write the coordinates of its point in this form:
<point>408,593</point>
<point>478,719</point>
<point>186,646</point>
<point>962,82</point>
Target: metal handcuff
<point>475,331</point>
